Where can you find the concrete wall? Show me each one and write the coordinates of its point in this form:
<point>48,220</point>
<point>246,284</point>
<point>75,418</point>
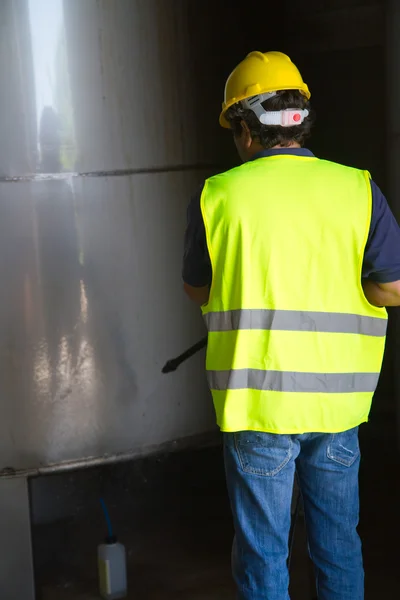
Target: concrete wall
<point>340,48</point>
<point>392,57</point>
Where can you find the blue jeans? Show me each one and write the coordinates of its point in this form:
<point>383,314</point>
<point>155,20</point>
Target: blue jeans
<point>260,469</point>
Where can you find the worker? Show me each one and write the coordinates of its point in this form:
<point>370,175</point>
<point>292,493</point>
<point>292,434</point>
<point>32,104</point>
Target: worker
<point>292,259</point>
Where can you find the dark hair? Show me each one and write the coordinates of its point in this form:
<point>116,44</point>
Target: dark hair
<point>273,135</point>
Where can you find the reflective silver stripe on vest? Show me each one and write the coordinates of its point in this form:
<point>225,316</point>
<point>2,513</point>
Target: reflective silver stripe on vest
<point>290,381</point>
<point>295,320</point>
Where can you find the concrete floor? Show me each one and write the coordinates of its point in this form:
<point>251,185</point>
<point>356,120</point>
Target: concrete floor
<point>173,516</point>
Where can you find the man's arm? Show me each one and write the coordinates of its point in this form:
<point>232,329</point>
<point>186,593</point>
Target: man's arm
<point>196,271</point>
<point>382,294</point>
<point>199,295</point>
<point>381,267</point>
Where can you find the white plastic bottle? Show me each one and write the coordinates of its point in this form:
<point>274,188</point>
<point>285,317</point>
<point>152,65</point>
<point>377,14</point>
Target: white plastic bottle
<point>112,569</point>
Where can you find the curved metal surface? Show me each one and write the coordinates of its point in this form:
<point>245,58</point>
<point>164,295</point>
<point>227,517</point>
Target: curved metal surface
<point>91,304</point>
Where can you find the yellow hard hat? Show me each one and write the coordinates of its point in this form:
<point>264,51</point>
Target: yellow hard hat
<point>261,73</point>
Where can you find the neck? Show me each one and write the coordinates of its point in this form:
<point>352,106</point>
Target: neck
<point>291,145</point>
<point>256,148</point>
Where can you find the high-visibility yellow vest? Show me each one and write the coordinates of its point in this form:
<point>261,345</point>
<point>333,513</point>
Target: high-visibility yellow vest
<point>293,344</point>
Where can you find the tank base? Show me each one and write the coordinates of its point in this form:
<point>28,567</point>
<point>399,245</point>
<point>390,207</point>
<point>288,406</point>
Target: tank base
<point>16,565</point>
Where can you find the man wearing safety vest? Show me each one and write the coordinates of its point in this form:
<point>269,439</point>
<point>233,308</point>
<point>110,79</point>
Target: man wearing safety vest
<point>293,260</point>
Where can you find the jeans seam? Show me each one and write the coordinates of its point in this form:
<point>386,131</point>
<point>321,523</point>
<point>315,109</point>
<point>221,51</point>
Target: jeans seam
<point>310,552</point>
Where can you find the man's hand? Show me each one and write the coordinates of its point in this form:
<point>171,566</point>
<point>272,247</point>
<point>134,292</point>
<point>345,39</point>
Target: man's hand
<point>199,295</point>
<point>382,294</point>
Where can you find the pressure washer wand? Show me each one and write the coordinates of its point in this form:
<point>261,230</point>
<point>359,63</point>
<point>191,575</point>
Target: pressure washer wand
<point>174,363</point>
<point>171,366</point>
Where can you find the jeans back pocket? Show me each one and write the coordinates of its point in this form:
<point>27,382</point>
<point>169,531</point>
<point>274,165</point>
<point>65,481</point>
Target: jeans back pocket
<point>261,453</point>
<point>344,448</point>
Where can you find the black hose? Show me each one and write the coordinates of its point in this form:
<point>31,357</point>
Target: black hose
<point>174,363</point>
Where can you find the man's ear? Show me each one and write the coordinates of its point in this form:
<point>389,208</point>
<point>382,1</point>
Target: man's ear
<point>247,140</point>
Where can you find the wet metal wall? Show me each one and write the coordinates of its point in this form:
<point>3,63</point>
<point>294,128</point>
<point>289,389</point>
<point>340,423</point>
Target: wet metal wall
<point>108,123</point>
<point>102,145</point>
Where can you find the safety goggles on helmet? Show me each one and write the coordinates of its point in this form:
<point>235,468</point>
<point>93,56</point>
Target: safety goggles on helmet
<point>289,117</point>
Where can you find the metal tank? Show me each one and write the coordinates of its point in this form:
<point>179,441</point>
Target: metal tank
<point>99,163</point>
<point>105,134</point>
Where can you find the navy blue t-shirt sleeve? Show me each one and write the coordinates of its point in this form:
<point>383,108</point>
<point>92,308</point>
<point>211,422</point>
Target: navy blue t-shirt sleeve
<point>196,269</point>
<point>382,252</point>
<point>381,258</point>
